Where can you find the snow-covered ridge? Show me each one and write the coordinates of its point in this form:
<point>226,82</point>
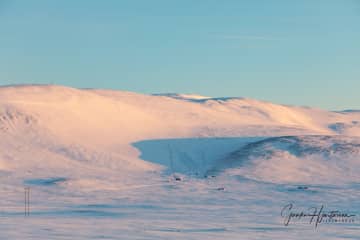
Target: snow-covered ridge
<point>298,159</point>
<point>53,130</point>
<point>163,110</point>
<point>182,96</point>
<point>350,111</point>
<point>197,98</point>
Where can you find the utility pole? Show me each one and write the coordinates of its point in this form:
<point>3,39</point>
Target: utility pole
<point>171,159</point>
<point>27,201</point>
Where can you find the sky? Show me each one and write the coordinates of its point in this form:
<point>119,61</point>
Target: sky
<point>292,52</point>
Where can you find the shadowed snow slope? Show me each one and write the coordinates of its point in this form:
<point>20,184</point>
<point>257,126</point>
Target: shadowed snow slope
<point>83,135</point>
<point>296,159</point>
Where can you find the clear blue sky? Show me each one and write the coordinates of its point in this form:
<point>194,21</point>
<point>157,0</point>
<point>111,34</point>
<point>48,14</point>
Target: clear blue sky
<point>294,52</point>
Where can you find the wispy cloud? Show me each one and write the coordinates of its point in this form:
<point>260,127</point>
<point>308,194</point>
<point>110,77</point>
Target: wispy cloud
<point>248,37</point>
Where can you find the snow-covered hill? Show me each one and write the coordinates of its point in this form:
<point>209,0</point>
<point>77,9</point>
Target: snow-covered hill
<point>110,148</point>
<point>53,127</point>
<point>296,159</point>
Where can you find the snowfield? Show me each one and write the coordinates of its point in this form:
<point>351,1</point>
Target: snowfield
<point>105,164</point>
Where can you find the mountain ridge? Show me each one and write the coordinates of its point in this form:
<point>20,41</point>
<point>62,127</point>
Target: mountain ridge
<point>52,130</point>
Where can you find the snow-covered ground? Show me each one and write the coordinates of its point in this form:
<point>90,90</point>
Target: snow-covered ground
<point>107,164</point>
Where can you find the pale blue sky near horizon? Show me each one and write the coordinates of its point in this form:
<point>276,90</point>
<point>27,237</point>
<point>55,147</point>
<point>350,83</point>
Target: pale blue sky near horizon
<point>291,52</point>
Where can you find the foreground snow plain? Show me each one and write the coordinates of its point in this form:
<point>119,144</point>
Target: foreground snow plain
<point>107,164</point>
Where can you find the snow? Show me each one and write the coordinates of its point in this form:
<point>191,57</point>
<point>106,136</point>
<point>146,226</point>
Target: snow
<point>102,164</point>
<point>298,160</point>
